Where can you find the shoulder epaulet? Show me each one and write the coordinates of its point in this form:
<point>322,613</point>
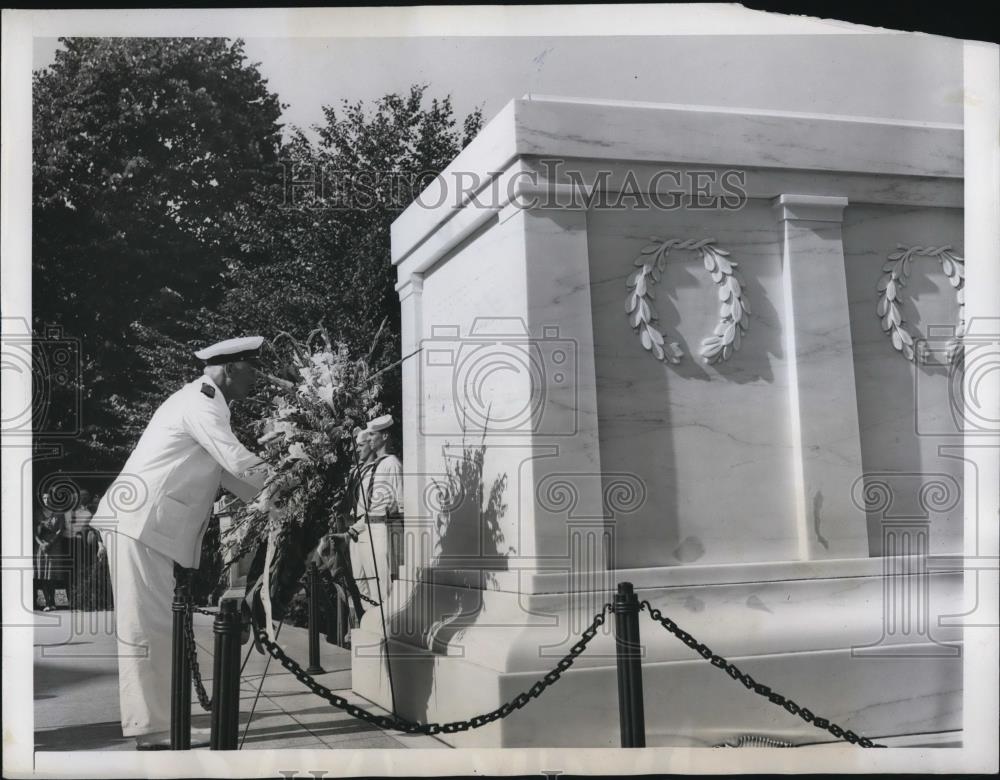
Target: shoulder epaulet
<point>208,390</point>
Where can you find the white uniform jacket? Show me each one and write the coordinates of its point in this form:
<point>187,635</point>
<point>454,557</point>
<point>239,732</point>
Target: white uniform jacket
<point>380,492</point>
<point>172,477</point>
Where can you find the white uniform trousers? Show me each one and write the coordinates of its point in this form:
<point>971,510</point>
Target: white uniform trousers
<point>142,581</point>
<point>368,564</point>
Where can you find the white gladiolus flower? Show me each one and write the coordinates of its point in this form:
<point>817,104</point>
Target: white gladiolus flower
<point>326,394</point>
<point>297,452</point>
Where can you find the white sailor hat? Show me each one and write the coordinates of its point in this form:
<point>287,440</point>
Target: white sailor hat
<point>231,350</point>
<point>361,436</point>
<point>380,423</point>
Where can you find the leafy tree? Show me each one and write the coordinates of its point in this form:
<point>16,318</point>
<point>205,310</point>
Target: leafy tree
<point>142,150</point>
<point>320,253</point>
<point>162,220</point>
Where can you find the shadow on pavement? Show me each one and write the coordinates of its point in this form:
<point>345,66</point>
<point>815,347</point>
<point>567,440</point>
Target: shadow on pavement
<point>297,730</point>
<point>337,716</point>
<point>59,677</point>
<point>90,736</point>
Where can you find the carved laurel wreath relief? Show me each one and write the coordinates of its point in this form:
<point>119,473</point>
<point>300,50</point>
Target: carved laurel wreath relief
<point>896,273</point>
<point>733,304</point>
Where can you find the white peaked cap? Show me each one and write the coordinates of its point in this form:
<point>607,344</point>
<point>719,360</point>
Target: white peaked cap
<point>231,350</point>
<point>380,423</point>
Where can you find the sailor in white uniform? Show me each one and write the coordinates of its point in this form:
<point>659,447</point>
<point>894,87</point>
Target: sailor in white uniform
<point>379,498</point>
<point>186,452</point>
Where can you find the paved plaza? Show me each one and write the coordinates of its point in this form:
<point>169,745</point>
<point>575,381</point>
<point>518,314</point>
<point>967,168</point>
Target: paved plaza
<point>76,692</point>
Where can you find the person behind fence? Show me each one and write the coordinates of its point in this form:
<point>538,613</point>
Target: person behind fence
<point>333,551</point>
<point>380,497</point>
<point>186,452</point>
<point>83,546</point>
<point>101,580</point>
<point>50,551</point>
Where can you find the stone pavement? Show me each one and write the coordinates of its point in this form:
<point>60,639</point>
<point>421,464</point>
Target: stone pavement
<point>76,692</point>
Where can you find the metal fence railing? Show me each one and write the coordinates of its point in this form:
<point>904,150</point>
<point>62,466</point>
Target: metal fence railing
<point>626,608</point>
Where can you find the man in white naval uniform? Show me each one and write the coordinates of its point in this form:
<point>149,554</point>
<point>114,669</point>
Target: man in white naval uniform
<point>187,450</point>
<point>380,496</point>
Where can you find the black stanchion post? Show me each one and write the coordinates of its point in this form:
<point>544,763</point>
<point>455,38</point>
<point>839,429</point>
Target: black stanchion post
<point>226,678</point>
<point>315,615</point>
<point>180,676</point>
<point>629,653</point>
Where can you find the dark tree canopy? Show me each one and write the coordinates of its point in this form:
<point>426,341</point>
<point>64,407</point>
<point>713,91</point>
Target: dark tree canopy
<point>142,148</point>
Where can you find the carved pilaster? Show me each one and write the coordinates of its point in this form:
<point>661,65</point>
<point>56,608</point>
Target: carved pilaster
<point>822,397</point>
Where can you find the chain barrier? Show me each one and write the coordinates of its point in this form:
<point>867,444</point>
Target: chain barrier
<point>204,700</point>
<point>398,723</point>
<point>192,653</point>
<point>733,671</point>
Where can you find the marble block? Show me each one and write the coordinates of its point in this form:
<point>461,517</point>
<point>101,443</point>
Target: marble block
<point>696,397</point>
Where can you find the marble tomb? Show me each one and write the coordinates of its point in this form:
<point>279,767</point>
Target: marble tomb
<point>683,339</point>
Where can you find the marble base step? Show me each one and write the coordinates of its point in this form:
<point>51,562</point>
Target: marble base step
<point>831,644</point>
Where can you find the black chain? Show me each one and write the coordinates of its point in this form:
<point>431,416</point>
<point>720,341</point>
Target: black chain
<point>733,671</point>
<point>398,723</point>
<point>192,653</point>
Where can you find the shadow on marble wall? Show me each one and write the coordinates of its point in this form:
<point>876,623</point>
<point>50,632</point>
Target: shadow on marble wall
<point>470,548</point>
<point>762,346</point>
<point>910,429</point>
<point>681,426</point>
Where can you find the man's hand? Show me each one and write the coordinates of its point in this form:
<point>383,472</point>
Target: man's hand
<point>325,546</point>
